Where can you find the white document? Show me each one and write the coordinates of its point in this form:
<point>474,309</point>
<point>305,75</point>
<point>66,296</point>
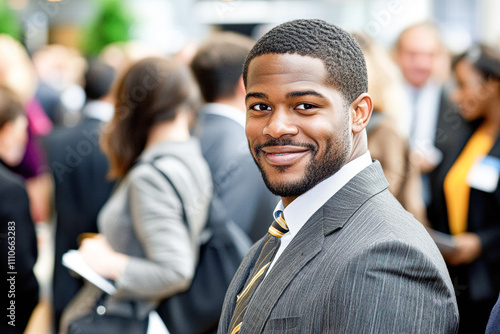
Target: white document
<point>156,325</point>
<point>73,260</point>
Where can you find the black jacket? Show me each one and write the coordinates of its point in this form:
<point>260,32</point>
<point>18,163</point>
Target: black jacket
<point>482,277</point>
<point>79,169</point>
<point>18,253</point>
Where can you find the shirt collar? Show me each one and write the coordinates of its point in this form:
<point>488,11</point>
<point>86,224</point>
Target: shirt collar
<point>102,111</point>
<point>225,111</point>
<point>303,207</point>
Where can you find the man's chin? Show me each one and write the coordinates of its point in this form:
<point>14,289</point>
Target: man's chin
<point>285,188</point>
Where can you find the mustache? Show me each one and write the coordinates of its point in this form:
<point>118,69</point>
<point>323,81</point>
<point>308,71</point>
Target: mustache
<point>282,142</point>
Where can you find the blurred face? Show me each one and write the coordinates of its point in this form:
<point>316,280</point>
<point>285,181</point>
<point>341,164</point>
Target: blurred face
<point>13,139</point>
<point>297,125</point>
<point>417,54</point>
<point>473,92</point>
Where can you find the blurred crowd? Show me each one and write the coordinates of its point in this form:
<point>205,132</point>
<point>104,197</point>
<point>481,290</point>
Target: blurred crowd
<point>77,137</point>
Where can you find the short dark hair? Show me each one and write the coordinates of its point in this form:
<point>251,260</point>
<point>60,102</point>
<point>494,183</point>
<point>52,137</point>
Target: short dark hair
<point>217,64</point>
<point>339,51</point>
<point>152,91</point>
<point>99,78</point>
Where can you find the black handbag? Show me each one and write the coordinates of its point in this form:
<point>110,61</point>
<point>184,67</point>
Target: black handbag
<point>100,322</point>
<point>198,309</point>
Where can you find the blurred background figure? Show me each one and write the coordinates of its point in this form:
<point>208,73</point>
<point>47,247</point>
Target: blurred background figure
<point>17,73</point>
<point>18,244</point>
<point>79,169</point>
<point>466,200</point>
<point>432,123</point>
<point>386,138</point>
<point>145,246</point>
<point>60,70</point>
<point>217,67</point>
<point>121,55</point>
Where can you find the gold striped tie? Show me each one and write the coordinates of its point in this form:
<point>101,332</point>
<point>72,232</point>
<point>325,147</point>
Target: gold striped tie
<point>271,244</point>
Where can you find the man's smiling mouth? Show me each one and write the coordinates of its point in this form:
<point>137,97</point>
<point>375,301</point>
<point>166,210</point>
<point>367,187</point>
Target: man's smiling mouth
<point>284,155</point>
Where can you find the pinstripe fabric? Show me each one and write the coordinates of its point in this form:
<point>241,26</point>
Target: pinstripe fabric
<point>361,264</point>
<point>271,244</point>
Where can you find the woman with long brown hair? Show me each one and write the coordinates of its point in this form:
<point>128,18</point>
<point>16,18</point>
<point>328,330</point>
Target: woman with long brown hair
<point>144,245</point>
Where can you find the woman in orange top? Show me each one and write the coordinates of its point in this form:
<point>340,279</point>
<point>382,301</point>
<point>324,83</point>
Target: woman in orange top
<point>466,202</point>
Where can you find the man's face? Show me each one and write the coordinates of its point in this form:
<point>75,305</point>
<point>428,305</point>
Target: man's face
<point>417,55</point>
<point>298,126</point>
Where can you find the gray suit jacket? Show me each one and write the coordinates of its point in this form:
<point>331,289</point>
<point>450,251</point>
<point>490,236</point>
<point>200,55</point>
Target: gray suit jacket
<point>236,178</point>
<point>360,264</point>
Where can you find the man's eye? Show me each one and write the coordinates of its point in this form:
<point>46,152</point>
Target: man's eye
<point>305,106</point>
<point>260,107</point>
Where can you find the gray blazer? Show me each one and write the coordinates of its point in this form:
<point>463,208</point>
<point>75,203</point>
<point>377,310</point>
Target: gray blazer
<point>361,264</point>
<point>143,219</point>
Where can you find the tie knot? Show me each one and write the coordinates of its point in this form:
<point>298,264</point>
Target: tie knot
<point>279,227</point>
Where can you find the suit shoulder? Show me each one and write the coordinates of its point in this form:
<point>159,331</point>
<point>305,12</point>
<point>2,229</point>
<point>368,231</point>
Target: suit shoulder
<point>221,133</point>
<point>10,184</point>
<point>14,203</point>
<point>382,218</point>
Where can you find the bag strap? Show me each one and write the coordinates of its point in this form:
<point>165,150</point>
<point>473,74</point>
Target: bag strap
<point>217,214</point>
<point>184,215</point>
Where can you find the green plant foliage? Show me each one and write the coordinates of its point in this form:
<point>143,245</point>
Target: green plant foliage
<point>9,23</point>
<point>112,24</point>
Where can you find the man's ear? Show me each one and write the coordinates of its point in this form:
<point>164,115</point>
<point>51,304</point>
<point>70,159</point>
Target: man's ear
<point>361,111</point>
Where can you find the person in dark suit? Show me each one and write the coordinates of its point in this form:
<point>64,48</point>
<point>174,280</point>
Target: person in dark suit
<point>467,196</point>
<point>18,243</point>
<point>217,68</point>
<point>79,169</point>
<point>342,255</point>
<point>433,123</point>
<point>494,320</point>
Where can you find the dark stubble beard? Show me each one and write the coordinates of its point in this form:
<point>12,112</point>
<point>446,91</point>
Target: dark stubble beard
<point>335,157</point>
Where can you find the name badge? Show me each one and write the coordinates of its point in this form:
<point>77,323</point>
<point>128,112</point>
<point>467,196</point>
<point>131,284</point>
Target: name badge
<point>484,174</point>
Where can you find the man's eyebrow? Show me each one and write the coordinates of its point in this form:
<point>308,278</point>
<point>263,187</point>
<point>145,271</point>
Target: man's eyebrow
<point>256,95</point>
<point>304,93</point>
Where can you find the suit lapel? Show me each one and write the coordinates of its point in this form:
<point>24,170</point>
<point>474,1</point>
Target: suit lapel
<point>303,248</point>
<point>237,283</point>
<point>366,184</point>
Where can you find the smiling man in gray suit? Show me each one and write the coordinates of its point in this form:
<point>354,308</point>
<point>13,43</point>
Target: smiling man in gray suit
<point>342,255</point>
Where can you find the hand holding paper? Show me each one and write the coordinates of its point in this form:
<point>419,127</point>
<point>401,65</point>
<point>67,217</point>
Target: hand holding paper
<point>73,260</point>
<point>99,255</point>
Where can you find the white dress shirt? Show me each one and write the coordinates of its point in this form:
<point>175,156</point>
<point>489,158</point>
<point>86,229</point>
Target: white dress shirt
<point>424,110</point>
<point>225,111</point>
<point>303,207</point>
<point>102,111</point>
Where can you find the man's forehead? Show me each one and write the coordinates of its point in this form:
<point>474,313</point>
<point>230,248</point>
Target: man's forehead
<point>286,67</point>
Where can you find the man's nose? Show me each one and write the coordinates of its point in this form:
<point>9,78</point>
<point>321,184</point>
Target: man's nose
<point>281,123</point>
